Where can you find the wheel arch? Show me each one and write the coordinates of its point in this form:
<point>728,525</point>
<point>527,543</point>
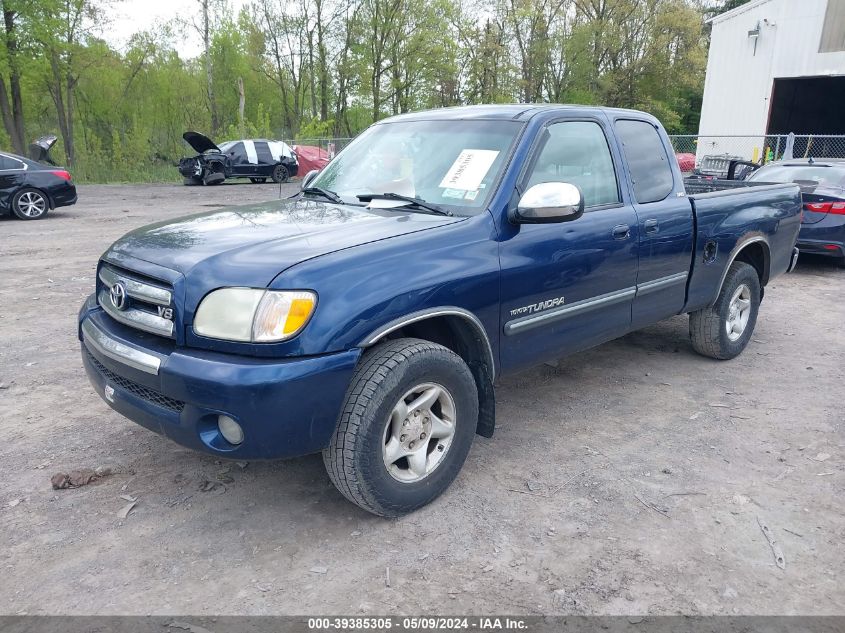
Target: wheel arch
<point>51,204</point>
<point>460,331</point>
<point>755,251</point>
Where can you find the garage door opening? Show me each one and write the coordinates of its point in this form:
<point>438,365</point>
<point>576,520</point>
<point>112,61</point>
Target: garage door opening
<point>809,105</point>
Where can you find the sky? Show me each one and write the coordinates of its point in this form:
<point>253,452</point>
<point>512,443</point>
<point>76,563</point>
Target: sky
<point>130,16</point>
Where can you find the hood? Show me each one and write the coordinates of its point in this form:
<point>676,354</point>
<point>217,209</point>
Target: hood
<point>251,245</point>
<point>200,142</point>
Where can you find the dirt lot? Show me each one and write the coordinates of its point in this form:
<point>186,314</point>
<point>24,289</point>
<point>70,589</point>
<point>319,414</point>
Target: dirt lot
<point>627,480</point>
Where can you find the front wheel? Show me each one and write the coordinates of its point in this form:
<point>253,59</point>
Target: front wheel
<point>723,330</point>
<point>30,204</point>
<point>406,427</point>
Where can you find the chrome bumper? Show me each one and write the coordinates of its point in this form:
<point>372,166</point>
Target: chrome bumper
<point>794,262</point>
<point>97,340</point>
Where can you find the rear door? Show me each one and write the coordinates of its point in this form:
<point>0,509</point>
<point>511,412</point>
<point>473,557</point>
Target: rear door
<point>569,286</point>
<point>664,218</point>
<point>12,175</point>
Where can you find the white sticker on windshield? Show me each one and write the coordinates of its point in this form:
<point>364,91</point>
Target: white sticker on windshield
<point>469,169</point>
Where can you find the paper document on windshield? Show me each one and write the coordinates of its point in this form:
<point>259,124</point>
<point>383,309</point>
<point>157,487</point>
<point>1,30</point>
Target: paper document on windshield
<point>469,169</point>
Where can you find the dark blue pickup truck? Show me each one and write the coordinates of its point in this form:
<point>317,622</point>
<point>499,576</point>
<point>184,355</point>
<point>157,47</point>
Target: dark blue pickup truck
<point>369,316</point>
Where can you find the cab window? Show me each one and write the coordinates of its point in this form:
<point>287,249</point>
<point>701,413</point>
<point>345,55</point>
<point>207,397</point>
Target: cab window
<point>577,152</point>
<point>7,162</point>
<point>648,163</point>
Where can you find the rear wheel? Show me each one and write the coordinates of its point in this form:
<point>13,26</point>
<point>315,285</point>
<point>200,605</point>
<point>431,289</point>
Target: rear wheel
<point>723,330</point>
<point>406,427</point>
<point>30,204</point>
<point>280,173</point>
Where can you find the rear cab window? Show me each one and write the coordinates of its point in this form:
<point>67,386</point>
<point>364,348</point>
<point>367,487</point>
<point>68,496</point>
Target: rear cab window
<point>648,162</point>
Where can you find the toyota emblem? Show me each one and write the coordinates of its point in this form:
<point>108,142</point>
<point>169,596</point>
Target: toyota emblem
<point>118,296</point>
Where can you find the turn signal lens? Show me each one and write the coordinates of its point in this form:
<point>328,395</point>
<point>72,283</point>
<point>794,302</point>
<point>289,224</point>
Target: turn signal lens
<point>281,315</point>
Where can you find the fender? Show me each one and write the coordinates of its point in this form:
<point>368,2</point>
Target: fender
<point>429,313</point>
<point>484,373</point>
<point>746,240</point>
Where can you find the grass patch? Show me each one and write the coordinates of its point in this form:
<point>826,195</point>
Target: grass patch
<point>98,173</point>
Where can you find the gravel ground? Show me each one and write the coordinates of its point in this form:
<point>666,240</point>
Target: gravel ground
<point>630,479</point>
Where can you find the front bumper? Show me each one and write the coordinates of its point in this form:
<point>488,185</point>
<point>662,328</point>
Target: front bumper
<point>286,407</point>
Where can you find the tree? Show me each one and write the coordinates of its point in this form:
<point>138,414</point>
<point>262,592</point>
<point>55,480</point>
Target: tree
<point>12,112</point>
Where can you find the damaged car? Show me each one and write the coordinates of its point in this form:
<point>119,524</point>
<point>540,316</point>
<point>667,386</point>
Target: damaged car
<point>256,159</point>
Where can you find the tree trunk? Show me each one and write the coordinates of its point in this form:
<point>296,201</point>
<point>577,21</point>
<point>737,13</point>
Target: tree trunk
<point>13,117</point>
<point>206,40</point>
<point>57,92</point>
<point>321,60</point>
<point>241,105</point>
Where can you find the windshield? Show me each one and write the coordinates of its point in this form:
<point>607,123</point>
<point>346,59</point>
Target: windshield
<point>454,164</point>
<point>825,176</point>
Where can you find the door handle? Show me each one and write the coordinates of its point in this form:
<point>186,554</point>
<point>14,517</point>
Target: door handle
<point>621,232</point>
<point>651,226</point>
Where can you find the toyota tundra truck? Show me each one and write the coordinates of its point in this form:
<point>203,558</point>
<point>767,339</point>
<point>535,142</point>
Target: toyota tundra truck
<point>369,316</point>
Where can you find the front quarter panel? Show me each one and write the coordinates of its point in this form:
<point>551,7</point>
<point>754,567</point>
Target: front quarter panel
<point>364,288</point>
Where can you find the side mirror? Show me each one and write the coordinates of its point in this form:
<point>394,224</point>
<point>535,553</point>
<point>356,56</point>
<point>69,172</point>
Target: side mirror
<point>549,202</point>
<point>306,180</point>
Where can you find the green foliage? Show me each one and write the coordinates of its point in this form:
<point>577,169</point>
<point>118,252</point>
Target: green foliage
<point>322,68</point>
<point>315,128</point>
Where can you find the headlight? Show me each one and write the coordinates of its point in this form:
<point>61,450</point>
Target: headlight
<point>254,315</point>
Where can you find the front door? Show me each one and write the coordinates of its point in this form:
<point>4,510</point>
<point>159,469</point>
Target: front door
<point>569,286</point>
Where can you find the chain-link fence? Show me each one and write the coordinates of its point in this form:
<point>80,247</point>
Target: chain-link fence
<point>713,153</point>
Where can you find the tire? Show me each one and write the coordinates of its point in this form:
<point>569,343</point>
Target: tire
<point>280,173</point>
<point>213,178</point>
<point>258,181</point>
<point>708,328</point>
<point>190,181</point>
<point>30,204</point>
<point>404,370</point>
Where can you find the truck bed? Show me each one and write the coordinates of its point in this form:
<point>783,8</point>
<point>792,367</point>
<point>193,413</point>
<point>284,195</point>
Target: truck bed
<point>729,214</point>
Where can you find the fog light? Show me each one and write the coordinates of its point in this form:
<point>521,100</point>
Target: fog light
<point>230,430</point>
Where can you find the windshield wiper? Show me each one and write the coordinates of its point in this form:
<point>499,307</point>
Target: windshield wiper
<point>328,195</point>
<point>428,206</point>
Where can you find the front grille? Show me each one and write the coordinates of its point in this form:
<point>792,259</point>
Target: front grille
<point>150,395</point>
<point>142,303</point>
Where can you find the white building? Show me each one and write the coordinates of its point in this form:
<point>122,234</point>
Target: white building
<point>774,67</point>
